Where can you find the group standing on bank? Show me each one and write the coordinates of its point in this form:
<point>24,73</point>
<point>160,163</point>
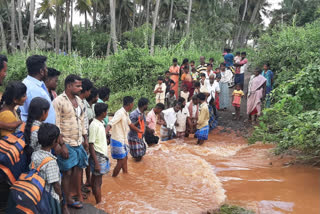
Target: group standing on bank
<point>48,141</point>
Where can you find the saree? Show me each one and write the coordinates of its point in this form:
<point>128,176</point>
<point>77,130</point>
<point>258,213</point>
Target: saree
<point>255,93</point>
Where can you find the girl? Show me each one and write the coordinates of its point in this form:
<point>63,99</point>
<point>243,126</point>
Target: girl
<point>185,93</point>
<point>237,95</point>
<point>37,113</point>
<point>14,95</point>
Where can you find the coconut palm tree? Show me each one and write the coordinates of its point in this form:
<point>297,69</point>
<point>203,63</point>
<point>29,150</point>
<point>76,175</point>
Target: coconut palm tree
<point>12,26</point>
<point>154,25</point>
<point>84,7</point>
<point>113,25</point>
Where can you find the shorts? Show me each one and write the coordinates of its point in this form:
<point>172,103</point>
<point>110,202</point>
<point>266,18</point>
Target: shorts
<point>103,162</point>
<point>77,157</point>
<point>118,150</point>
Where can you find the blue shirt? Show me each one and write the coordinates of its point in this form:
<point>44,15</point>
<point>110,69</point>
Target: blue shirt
<point>228,58</point>
<point>36,88</point>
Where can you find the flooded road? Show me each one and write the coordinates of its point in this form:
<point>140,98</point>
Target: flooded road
<point>181,177</point>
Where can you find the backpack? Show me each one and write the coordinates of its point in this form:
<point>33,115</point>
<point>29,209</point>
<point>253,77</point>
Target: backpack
<point>28,195</point>
<point>13,160</point>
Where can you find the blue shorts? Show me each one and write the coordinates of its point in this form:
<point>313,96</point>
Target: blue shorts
<point>118,150</point>
<point>77,157</point>
<point>202,134</point>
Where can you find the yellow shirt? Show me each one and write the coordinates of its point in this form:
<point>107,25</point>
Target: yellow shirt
<point>120,126</point>
<point>203,119</point>
<point>97,136</point>
<point>7,117</point>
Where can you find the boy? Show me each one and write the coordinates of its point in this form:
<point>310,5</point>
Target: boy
<point>52,82</point>
<point>211,61</point>
<point>194,74</point>
<point>160,90</point>
<point>49,138</point>
<point>120,124</point>
<point>203,83</point>
<point>169,82</point>
<point>170,99</point>
<point>104,93</point>
<point>169,118</point>
<point>183,118</point>
<point>185,93</point>
<point>192,64</point>
<point>203,120</point>
<point>151,122</point>
<point>99,162</point>
<point>193,108</point>
<point>196,88</point>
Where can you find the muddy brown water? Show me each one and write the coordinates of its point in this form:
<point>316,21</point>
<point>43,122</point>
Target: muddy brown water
<point>181,177</point>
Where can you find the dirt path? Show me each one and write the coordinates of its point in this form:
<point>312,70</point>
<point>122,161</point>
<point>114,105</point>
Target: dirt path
<point>226,121</point>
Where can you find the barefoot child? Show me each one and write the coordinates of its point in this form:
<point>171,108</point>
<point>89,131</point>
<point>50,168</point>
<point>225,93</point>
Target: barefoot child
<point>237,95</point>
<point>120,124</point>
<point>170,99</point>
<point>203,120</point>
<point>99,162</point>
<point>160,90</point>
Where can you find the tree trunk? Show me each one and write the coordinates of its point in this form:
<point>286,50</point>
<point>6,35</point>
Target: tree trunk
<point>148,12</point>
<point>119,20</point>
<point>71,23</point>
<point>12,27</point>
<point>57,29</point>
<point>154,25</point>
<point>21,42</point>
<point>133,15</point>
<point>245,10</point>
<point>169,22</point>
<point>94,17</point>
<point>189,17</point>
<point>113,25</point>
<point>3,37</point>
<point>85,21</point>
<point>252,19</point>
<point>31,24</point>
<point>109,46</point>
<point>68,24</point>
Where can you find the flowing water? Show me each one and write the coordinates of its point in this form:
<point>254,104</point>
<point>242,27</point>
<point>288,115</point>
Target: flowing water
<point>181,177</point>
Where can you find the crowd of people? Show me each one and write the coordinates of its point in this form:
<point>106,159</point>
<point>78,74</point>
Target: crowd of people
<point>70,133</point>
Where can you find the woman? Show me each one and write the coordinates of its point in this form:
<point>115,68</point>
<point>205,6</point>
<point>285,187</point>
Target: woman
<point>14,95</point>
<point>268,74</point>
<point>226,78</point>
<point>174,75</point>
<point>256,92</point>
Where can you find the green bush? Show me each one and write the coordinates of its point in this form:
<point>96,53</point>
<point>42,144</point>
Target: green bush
<point>293,120</point>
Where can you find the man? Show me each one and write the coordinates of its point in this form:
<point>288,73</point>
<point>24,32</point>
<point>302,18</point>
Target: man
<point>169,120</point>
<point>52,82</point>
<point>203,66</point>
<point>183,118</point>
<point>70,120</point>
<point>243,64</point>
<point>104,93</point>
<point>151,122</point>
<point>135,140</point>
<point>193,108</point>
<point>228,58</point>
<point>120,125</point>
<point>213,87</point>
<point>37,73</point>
<point>90,101</point>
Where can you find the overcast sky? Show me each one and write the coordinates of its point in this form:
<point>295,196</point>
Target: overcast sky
<point>77,18</point>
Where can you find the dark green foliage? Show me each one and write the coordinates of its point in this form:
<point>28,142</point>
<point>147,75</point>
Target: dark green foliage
<point>293,120</point>
<point>231,209</point>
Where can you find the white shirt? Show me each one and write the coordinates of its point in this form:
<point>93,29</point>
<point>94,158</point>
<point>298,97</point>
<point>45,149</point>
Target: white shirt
<point>212,89</point>
<point>162,95</point>
<point>207,76</point>
<point>244,67</point>
<point>170,116</point>
<point>204,87</point>
<point>194,109</point>
<point>182,119</point>
<point>226,76</point>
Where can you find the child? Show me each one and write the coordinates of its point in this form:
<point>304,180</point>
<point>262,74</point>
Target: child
<point>37,113</point>
<point>185,93</point>
<point>237,60</point>
<point>49,138</point>
<point>237,95</point>
<point>203,120</point>
<point>192,64</point>
<point>196,88</point>
<point>211,61</point>
<point>194,74</point>
<point>203,84</point>
<point>151,122</point>
<point>217,103</point>
<point>169,82</point>
<point>160,90</point>
<point>99,162</point>
<point>120,124</point>
<point>170,99</point>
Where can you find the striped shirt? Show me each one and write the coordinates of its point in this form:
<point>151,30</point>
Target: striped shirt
<point>202,68</point>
